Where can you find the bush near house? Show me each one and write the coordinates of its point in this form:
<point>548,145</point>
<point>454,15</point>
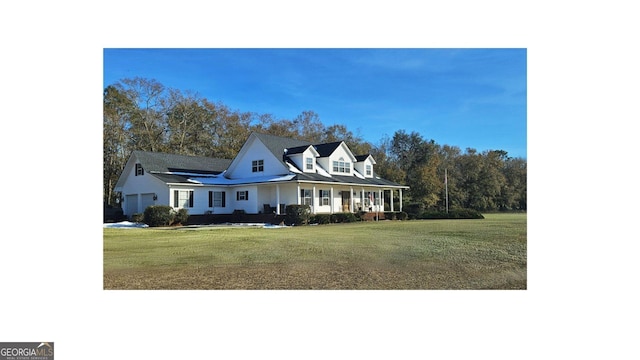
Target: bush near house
<point>297,214</point>
<point>321,219</point>
<point>163,215</point>
<point>182,217</point>
<point>343,218</point>
<point>414,210</point>
<point>452,214</point>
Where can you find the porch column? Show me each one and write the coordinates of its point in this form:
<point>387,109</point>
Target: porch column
<point>313,199</point>
<point>277,199</point>
<point>400,199</point>
<point>298,195</point>
<point>351,197</point>
<point>332,200</point>
<point>391,198</point>
<point>381,206</point>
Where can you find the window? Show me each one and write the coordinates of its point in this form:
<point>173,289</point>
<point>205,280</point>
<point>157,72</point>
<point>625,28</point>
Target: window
<point>217,199</point>
<point>242,195</point>
<point>183,198</point>
<point>305,194</point>
<point>257,166</point>
<point>324,197</point>
<point>309,163</point>
<point>341,166</point>
<point>368,170</point>
<point>139,170</point>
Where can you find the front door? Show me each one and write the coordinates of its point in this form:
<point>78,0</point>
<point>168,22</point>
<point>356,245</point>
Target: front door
<point>346,201</point>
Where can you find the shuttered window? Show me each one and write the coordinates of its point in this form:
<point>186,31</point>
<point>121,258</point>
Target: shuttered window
<point>217,199</point>
<point>242,195</point>
<point>183,198</point>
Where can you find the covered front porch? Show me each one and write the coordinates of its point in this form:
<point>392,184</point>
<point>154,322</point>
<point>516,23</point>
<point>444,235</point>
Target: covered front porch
<point>330,198</point>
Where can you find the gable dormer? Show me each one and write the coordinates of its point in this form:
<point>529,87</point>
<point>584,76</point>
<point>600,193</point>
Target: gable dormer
<point>304,157</point>
<point>336,158</point>
<point>364,165</point>
<point>262,155</point>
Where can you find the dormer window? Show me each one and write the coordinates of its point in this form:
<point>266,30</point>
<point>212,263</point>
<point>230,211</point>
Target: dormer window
<point>368,170</point>
<point>342,166</point>
<point>139,170</point>
<point>257,166</point>
<point>309,163</point>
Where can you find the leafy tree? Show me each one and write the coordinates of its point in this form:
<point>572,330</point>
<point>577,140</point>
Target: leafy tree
<point>190,125</point>
<point>141,114</point>
<point>117,111</point>
<point>147,123</point>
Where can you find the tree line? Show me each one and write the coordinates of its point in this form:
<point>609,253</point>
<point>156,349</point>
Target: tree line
<point>142,114</point>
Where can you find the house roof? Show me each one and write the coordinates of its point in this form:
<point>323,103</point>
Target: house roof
<point>277,144</point>
<point>163,162</point>
<point>327,149</point>
<point>351,180</point>
<point>183,169</point>
<point>297,149</point>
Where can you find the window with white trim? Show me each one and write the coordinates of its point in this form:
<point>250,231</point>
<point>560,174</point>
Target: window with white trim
<point>309,163</point>
<point>139,170</point>
<point>183,198</point>
<point>217,199</point>
<point>242,195</point>
<point>324,197</point>
<point>257,166</point>
<point>342,166</point>
<point>305,195</point>
<point>368,170</point>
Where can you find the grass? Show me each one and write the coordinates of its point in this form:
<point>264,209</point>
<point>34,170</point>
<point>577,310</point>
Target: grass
<point>427,254</point>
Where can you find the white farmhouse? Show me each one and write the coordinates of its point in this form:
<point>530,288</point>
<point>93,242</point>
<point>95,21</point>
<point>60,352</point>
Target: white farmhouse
<point>269,173</point>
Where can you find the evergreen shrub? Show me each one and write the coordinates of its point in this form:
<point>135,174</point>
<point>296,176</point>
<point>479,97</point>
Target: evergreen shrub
<point>138,217</point>
<point>402,215</point>
<point>298,214</point>
<point>414,210</point>
<point>389,215</point>
<point>159,215</point>
<point>343,218</point>
<point>182,216</point>
<point>321,219</point>
<point>452,214</point>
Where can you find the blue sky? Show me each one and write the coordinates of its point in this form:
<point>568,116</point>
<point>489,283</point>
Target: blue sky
<point>470,98</point>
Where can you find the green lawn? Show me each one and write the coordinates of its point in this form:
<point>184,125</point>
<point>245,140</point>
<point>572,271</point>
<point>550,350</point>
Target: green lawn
<point>421,254</point>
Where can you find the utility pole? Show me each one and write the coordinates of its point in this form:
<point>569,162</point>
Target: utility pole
<point>446,190</point>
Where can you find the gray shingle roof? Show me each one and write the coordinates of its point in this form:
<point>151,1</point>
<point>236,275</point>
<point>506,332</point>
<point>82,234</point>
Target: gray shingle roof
<point>277,144</point>
<point>360,158</point>
<point>352,180</point>
<point>327,149</point>
<point>163,162</point>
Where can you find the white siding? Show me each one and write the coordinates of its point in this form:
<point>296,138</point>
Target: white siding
<point>362,167</point>
<point>242,167</point>
<point>135,186</point>
<point>341,152</point>
<point>301,160</point>
<point>249,206</point>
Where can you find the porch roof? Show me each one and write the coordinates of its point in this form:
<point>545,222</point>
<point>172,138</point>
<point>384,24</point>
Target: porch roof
<point>220,180</point>
<point>347,180</point>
